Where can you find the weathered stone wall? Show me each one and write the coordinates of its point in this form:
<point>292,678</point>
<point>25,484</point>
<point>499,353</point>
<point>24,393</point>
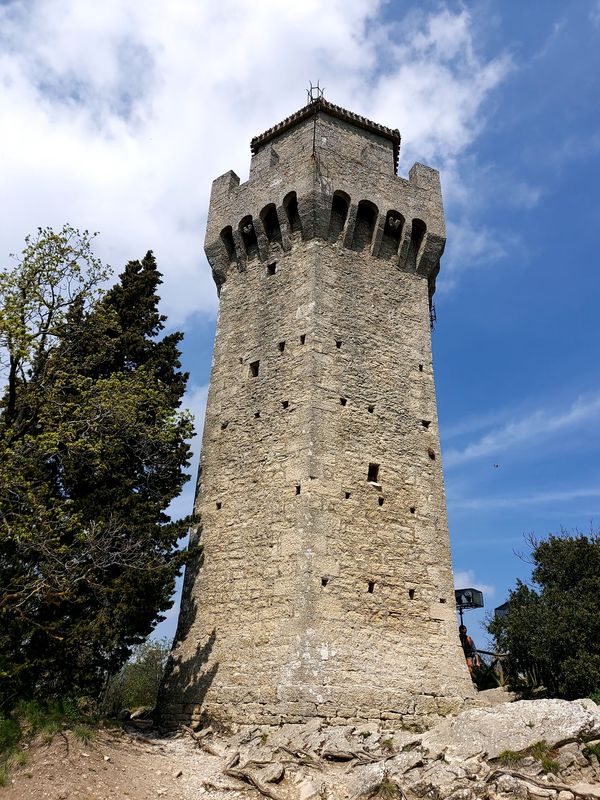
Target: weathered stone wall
<point>324,586</point>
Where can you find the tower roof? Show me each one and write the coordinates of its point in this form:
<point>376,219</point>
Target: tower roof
<point>320,104</point>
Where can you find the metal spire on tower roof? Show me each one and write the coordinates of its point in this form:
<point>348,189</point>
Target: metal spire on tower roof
<point>314,92</point>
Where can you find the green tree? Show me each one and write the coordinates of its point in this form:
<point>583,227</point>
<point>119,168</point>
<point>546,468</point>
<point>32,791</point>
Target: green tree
<point>92,450</point>
<point>552,629</point>
<point>138,681</point>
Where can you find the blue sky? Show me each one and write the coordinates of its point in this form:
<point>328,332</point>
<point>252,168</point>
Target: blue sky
<point>117,118</point>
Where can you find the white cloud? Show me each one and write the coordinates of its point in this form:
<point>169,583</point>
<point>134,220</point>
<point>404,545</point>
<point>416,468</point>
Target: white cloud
<point>465,579</point>
<point>117,117</point>
<point>470,245</point>
<point>554,497</point>
<point>538,425</point>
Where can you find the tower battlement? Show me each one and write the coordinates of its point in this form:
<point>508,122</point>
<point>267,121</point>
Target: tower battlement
<point>325,584</point>
<point>344,190</point>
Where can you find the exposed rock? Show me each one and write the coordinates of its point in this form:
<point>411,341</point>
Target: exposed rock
<point>272,773</point>
<point>366,780</point>
<point>511,726</point>
<point>511,786</point>
<point>398,765</point>
<point>587,789</point>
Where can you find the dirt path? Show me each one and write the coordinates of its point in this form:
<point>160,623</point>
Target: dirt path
<point>119,765</point>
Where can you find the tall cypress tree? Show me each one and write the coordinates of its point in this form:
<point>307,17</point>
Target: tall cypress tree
<point>89,554</point>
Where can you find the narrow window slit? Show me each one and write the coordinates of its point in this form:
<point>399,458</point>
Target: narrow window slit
<point>343,401</point>
<point>370,587</point>
<point>228,243</point>
<point>281,346</point>
<point>338,343</point>
<point>346,495</point>
<point>380,501</point>
<point>254,366</point>
<point>219,506</point>
<point>271,268</point>
<point>290,203</point>
<point>297,488</point>
<point>271,224</point>
<point>373,473</point>
<point>418,231</point>
<point>412,509</point>
<point>339,212</point>
<point>366,217</point>
<point>371,409</point>
<point>392,233</point>
<point>420,367</point>
<point>285,403</point>
<point>431,453</point>
<point>303,338</point>
<point>257,415</point>
<point>411,594</point>
<point>324,581</point>
<point>249,237</point>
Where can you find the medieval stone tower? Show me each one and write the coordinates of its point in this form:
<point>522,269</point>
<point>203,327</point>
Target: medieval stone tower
<point>324,587</point>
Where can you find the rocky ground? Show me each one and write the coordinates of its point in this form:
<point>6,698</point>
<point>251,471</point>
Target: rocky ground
<point>531,750</point>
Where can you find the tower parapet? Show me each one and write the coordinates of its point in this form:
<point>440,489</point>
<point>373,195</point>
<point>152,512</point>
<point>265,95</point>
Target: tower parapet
<point>344,190</point>
<point>325,585</point>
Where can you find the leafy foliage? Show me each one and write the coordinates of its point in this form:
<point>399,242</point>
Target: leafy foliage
<point>552,630</point>
<point>92,451</point>
<point>136,684</point>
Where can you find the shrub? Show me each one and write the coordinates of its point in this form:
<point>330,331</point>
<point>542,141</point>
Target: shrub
<point>551,631</point>
<point>137,683</point>
<point>510,757</point>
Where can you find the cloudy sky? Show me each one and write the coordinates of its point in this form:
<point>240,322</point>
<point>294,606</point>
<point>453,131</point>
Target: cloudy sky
<point>117,116</point>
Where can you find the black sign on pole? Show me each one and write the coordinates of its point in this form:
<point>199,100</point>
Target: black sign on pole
<point>467,598</point>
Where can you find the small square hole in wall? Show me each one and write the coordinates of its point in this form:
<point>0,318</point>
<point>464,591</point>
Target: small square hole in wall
<point>346,495</point>
<point>285,403</point>
<point>303,338</point>
<point>412,509</point>
<point>219,506</point>
<point>338,343</point>
<point>431,453</point>
<point>373,473</point>
<point>224,425</point>
<point>281,346</point>
<point>411,594</point>
<point>370,587</point>
<point>271,268</point>
<point>297,488</point>
<point>254,366</point>
<point>442,599</point>
<point>343,401</point>
<point>425,423</point>
<point>257,415</point>
<point>324,581</point>
<point>370,409</point>
<point>380,500</point>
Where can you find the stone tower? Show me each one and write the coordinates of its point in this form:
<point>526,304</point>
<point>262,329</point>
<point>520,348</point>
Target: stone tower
<point>324,587</point>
